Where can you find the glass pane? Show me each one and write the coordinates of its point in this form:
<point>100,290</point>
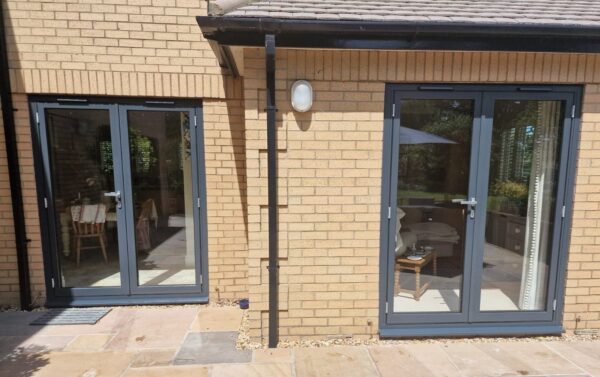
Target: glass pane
<point>433,169</point>
<point>81,164</point>
<point>161,175</point>
<point>521,201</point>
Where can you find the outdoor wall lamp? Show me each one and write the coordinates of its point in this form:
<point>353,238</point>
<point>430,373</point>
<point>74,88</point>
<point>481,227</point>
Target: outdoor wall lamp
<point>302,96</point>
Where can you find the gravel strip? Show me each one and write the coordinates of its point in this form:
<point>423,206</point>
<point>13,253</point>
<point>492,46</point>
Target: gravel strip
<point>245,343</point>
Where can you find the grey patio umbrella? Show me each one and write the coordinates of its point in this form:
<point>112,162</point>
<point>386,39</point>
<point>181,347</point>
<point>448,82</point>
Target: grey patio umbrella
<point>411,136</point>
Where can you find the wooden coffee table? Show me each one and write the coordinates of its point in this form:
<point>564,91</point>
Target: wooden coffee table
<point>416,266</point>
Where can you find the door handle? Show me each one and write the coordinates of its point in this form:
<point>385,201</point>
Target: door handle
<point>117,196</point>
<point>471,203</point>
<point>465,202</point>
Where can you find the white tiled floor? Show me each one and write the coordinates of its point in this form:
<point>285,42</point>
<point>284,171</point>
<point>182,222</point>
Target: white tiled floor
<point>501,285</point>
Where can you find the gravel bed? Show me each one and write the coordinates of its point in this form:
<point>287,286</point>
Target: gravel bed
<point>245,343</point>
<point>350,341</point>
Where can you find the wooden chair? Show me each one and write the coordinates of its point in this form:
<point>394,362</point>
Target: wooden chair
<point>142,227</point>
<point>85,229</point>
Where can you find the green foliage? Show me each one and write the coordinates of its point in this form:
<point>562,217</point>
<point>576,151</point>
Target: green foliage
<point>510,189</point>
<point>509,197</point>
<point>143,155</point>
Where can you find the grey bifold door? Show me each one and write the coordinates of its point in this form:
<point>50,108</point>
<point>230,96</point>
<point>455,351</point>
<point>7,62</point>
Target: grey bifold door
<point>475,196</point>
<point>122,194</point>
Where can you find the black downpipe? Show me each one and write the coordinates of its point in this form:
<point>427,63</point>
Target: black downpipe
<point>272,181</point>
<point>14,172</point>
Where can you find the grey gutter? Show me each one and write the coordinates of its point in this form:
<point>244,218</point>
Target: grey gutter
<point>250,31</point>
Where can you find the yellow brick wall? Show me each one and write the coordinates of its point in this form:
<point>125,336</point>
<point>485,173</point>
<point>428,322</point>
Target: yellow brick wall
<point>30,208</point>
<point>225,155</point>
<point>127,48</point>
<point>9,277</point>
<point>104,47</point>
<point>330,171</point>
<point>583,272</point>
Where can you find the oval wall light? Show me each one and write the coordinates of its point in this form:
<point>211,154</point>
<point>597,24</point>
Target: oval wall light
<point>302,96</point>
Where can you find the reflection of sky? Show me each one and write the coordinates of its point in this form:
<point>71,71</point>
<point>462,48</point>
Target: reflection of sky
<point>529,129</point>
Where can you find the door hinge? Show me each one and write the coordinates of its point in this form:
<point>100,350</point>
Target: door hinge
<point>37,118</point>
<point>393,110</point>
<point>573,112</point>
<point>389,212</point>
<point>52,281</point>
<point>554,305</point>
<point>564,211</point>
<point>201,280</point>
<point>198,202</point>
<point>195,121</point>
<point>387,307</point>
<point>45,202</point>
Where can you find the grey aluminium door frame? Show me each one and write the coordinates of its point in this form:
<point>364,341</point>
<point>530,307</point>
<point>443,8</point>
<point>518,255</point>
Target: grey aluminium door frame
<point>46,200</point>
<point>434,317</point>
<point>197,150</point>
<point>127,293</point>
<point>487,323</point>
<point>567,98</point>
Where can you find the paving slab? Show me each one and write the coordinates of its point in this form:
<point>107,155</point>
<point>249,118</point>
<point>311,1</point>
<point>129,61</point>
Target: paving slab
<point>333,362</point>
<point>151,358</point>
<point>10,345</point>
<point>434,357</point>
<point>16,323</point>
<point>586,355</point>
<point>218,319</point>
<point>154,328</point>
<point>46,342</point>
<point>211,348</point>
<point>89,343</point>
<point>531,358</point>
<point>424,360</point>
<point>19,363</point>
<point>170,371</point>
<point>253,370</point>
<point>62,364</point>
<point>472,361</point>
<point>272,355</point>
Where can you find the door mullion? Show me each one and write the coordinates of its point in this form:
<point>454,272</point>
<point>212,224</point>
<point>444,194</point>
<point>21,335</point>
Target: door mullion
<point>48,210</point>
<point>196,193</point>
<point>392,201</point>
<point>481,189</point>
<point>120,165</point>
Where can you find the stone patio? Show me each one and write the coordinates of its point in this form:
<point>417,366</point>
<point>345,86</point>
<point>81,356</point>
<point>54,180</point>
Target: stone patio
<point>200,341</point>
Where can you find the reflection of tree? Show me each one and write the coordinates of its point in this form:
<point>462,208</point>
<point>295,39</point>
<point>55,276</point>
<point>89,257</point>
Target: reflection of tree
<point>512,151</point>
<point>142,152</point>
<point>441,168</point>
<point>177,149</point>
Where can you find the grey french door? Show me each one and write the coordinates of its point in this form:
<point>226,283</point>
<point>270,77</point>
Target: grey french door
<point>122,198</point>
<point>475,196</point>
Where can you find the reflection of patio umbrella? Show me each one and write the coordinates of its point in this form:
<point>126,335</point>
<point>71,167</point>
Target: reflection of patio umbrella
<point>410,136</point>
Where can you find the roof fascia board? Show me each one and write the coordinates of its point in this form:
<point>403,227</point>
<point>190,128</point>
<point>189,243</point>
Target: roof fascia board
<point>245,31</point>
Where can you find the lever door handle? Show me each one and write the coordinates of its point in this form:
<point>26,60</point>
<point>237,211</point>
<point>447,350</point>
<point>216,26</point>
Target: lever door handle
<point>471,203</point>
<point>465,202</point>
<point>116,195</point>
